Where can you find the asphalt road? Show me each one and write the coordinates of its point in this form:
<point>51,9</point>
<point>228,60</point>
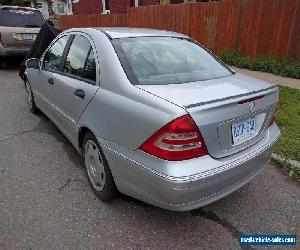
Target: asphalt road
<point>46,202</point>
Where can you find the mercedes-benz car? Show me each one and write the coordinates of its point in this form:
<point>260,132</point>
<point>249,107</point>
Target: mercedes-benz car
<point>154,114</point>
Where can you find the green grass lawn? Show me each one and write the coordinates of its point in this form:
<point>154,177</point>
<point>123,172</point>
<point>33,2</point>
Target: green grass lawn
<point>286,67</point>
<point>288,119</point>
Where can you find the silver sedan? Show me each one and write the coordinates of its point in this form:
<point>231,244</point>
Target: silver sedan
<point>154,114</point>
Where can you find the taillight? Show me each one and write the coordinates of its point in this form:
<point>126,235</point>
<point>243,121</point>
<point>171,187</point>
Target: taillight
<point>251,99</point>
<point>273,117</point>
<point>178,140</point>
<point>272,121</point>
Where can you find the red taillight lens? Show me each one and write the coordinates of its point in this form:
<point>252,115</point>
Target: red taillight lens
<point>273,117</point>
<point>272,121</point>
<point>251,99</point>
<point>178,140</point>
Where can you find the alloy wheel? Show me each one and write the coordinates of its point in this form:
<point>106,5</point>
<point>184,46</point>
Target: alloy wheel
<point>94,165</point>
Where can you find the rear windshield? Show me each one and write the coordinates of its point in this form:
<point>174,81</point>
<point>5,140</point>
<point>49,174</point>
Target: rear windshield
<point>166,60</point>
<point>21,18</point>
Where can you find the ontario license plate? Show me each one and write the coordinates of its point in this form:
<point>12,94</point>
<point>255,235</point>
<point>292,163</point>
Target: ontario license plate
<point>243,131</point>
<point>27,36</point>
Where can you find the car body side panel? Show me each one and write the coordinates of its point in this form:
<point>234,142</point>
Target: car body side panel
<point>43,94</point>
<point>41,89</point>
<point>127,121</point>
<point>121,112</point>
<point>68,106</point>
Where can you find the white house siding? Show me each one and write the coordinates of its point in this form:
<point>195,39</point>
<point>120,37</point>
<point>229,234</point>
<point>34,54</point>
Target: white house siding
<point>45,11</point>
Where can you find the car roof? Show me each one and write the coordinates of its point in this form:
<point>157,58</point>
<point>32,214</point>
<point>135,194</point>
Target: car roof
<point>122,32</point>
<point>17,7</point>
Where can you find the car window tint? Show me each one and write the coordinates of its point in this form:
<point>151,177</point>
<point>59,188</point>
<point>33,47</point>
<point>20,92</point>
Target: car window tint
<point>80,62</point>
<point>90,67</point>
<point>18,17</point>
<point>167,60</point>
<point>53,56</point>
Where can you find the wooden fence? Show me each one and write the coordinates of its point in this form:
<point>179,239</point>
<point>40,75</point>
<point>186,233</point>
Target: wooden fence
<point>253,27</point>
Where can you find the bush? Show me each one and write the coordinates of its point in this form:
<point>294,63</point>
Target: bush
<point>286,67</point>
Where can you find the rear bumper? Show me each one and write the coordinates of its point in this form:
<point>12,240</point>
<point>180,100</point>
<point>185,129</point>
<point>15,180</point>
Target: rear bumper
<point>13,51</point>
<point>186,185</point>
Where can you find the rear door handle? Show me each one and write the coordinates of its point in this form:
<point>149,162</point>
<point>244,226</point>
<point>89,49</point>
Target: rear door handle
<point>80,93</point>
<point>50,81</point>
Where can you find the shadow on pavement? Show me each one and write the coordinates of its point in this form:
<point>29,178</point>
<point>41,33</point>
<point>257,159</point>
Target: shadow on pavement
<point>11,63</point>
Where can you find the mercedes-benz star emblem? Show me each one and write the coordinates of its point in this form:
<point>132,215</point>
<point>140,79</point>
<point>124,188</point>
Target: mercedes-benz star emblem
<point>252,107</point>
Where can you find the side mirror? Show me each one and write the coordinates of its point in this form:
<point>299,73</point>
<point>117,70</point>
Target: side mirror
<point>33,63</point>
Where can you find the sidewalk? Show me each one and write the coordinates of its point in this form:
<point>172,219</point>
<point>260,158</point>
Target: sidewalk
<point>284,81</point>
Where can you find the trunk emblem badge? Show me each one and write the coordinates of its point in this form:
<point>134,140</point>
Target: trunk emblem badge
<point>252,107</point>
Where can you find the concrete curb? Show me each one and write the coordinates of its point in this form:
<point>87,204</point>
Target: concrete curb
<point>282,159</point>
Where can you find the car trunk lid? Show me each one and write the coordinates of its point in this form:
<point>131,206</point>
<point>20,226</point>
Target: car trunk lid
<point>222,106</point>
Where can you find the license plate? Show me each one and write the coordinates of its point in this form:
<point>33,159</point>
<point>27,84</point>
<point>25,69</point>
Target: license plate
<point>26,36</point>
<point>243,131</point>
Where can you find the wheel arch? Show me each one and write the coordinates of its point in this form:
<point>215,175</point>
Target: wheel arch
<point>81,134</point>
<point>82,131</point>
<point>25,78</point>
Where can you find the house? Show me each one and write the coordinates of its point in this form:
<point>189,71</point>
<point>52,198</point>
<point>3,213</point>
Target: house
<point>59,7</point>
<point>81,7</point>
<point>107,6</point>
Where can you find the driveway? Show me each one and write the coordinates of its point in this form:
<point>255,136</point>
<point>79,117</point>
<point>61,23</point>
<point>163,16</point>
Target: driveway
<point>46,202</point>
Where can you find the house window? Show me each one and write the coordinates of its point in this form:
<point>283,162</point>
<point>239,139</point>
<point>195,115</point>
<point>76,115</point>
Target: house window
<point>60,8</point>
<point>107,5</point>
<point>144,3</point>
<point>176,1</point>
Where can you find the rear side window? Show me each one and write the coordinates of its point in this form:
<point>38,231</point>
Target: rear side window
<point>90,67</point>
<point>54,55</point>
<point>80,59</point>
<point>21,18</point>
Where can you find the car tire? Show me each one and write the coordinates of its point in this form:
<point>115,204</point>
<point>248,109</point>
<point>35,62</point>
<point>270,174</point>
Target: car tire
<point>97,169</point>
<point>30,98</point>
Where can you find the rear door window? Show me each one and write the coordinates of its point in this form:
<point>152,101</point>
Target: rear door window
<point>11,17</point>
<point>80,60</point>
<point>53,56</point>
